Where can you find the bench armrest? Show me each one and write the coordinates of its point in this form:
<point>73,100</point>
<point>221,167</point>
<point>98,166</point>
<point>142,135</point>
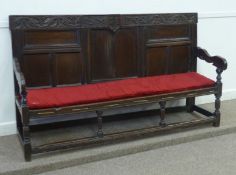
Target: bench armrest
<point>20,79</point>
<point>221,65</point>
<point>217,61</point>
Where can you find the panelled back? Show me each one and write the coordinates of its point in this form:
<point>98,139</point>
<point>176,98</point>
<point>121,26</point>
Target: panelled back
<point>168,49</point>
<point>73,50</point>
<point>50,58</point>
<point>113,54</point>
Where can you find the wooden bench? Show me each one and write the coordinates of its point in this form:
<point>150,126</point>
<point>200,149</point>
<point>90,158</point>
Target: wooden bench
<point>69,64</point>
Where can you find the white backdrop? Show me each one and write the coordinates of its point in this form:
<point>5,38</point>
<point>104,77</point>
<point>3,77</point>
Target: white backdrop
<point>216,33</point>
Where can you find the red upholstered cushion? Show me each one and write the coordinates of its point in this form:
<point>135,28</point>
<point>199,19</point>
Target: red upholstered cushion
<point>114,90</point>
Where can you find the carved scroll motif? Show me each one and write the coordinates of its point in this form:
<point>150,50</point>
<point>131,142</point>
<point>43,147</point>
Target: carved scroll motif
<point>158,19</point>
<point>112,22</point>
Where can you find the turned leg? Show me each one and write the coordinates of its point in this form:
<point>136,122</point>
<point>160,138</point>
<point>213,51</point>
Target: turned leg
<point>217,100</point>
<point>162,113</point>
<point>217,111</point>
<point>99,118</point>
<point>190,102</point>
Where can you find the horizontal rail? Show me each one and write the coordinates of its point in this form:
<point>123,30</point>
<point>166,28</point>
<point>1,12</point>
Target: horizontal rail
<point>117,136</point>
<point>202,111</point>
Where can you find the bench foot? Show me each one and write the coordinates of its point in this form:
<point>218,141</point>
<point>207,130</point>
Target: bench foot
<point>99,118</point>
<point>216,123</point>
<point>162,113</point>
<point>27,152</point>
<point>27,143</point>
<point>217,113</point>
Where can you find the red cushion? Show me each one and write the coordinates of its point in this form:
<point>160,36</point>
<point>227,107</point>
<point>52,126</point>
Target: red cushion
<point>114,90</point>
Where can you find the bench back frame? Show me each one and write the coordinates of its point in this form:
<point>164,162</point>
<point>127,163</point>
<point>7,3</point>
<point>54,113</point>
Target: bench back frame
<point>64,50</point>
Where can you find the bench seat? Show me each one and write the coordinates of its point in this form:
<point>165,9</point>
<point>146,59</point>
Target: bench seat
<point>115,90</point>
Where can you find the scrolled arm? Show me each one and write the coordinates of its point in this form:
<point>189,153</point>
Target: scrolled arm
<point>221,65</point>
<point>20,79</point>
<point>217,61</point>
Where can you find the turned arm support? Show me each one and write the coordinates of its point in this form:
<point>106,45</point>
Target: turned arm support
<point>20,79</point>
<point>217,61</point>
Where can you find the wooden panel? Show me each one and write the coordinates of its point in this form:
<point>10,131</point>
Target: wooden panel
<point>100,65</point>
<point>172,31</point>
<point>68,68</point>
<point>108,46</point>
<point>125,53</point>
<point>37,70</point>
<point>156,61</point>
<point>176,39</point>
<point>179,59</point>
<point>50,37</point>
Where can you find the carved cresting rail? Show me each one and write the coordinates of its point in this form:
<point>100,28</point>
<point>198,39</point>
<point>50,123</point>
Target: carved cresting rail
<point>53,51</point>
<point>114,22</point>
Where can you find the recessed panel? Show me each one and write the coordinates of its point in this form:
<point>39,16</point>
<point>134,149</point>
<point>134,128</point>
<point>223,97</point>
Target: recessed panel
<point>101,63</point>
<point>156,60</point>
<point>179,57</point>
<point>50,37</point>
<point>172,31</point>
<point>125,53</point>
<point>36,69</point>
<point>68,68</point>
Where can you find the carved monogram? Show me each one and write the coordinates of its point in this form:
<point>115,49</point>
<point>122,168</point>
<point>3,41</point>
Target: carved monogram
<point>114,22</point>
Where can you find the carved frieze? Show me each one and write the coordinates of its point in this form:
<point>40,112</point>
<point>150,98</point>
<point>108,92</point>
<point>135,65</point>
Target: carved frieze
<point>101,21</point>
<point>112,22</point>
<point>159,19</point>
<point>44,22</point>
